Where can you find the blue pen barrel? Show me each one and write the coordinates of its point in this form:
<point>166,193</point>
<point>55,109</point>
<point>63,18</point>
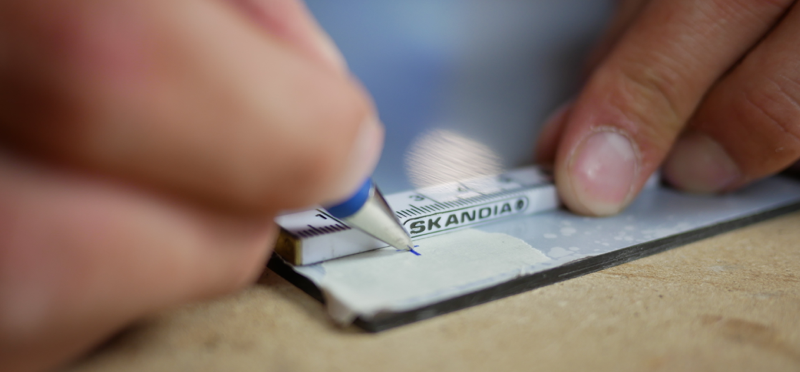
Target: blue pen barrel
<point>352,205</point>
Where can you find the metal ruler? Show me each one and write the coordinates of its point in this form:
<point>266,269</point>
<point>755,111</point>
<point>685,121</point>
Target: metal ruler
<point>314,235</point>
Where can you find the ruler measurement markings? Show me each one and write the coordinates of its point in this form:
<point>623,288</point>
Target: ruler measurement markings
<point>467,188</point>
<point>485,198</point>
<point>416,209</point>
<point>428,197</point>
<point>432,209</point>
<point>332,217</point>
<point>314,231</point>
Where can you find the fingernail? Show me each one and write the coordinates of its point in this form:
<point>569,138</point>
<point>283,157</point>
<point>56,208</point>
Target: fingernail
<point>364,155</point>
<point>602,171</point>
<point>700,164</point>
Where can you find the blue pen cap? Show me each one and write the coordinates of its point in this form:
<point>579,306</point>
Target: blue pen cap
<point>350,206</point>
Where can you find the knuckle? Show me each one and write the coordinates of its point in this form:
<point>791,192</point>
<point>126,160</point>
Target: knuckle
<point>648,95</point>
<point>651,92</point>
<point>774,108</point>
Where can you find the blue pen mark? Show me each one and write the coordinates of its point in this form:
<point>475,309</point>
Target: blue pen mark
<point>412,251</point>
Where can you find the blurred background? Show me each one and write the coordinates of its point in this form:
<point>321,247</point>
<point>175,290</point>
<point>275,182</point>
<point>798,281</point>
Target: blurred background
<point>462,86</point>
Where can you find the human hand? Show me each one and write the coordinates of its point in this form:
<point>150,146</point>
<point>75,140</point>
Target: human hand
<point>145,147</point>
<point>708,90</point>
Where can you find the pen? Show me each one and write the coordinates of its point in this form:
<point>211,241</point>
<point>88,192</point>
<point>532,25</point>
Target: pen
<point>368,211</point>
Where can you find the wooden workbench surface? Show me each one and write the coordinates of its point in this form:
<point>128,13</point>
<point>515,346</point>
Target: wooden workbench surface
<point>728,303</point>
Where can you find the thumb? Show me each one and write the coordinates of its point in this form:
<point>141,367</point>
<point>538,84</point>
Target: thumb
<point>640,97</point>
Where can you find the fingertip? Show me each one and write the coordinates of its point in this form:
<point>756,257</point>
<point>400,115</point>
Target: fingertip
<point>699,164</point>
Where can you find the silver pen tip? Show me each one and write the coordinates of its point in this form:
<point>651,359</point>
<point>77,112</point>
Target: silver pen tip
<point>376,218</point>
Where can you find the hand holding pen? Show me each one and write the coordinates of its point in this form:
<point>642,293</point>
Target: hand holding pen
<point>147,149</point>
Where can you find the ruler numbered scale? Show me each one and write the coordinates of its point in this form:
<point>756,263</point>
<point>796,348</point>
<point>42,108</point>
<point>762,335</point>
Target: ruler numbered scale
<point>314,235</point>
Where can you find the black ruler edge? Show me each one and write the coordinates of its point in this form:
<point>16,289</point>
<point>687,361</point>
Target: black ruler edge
<point>583,266</point>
